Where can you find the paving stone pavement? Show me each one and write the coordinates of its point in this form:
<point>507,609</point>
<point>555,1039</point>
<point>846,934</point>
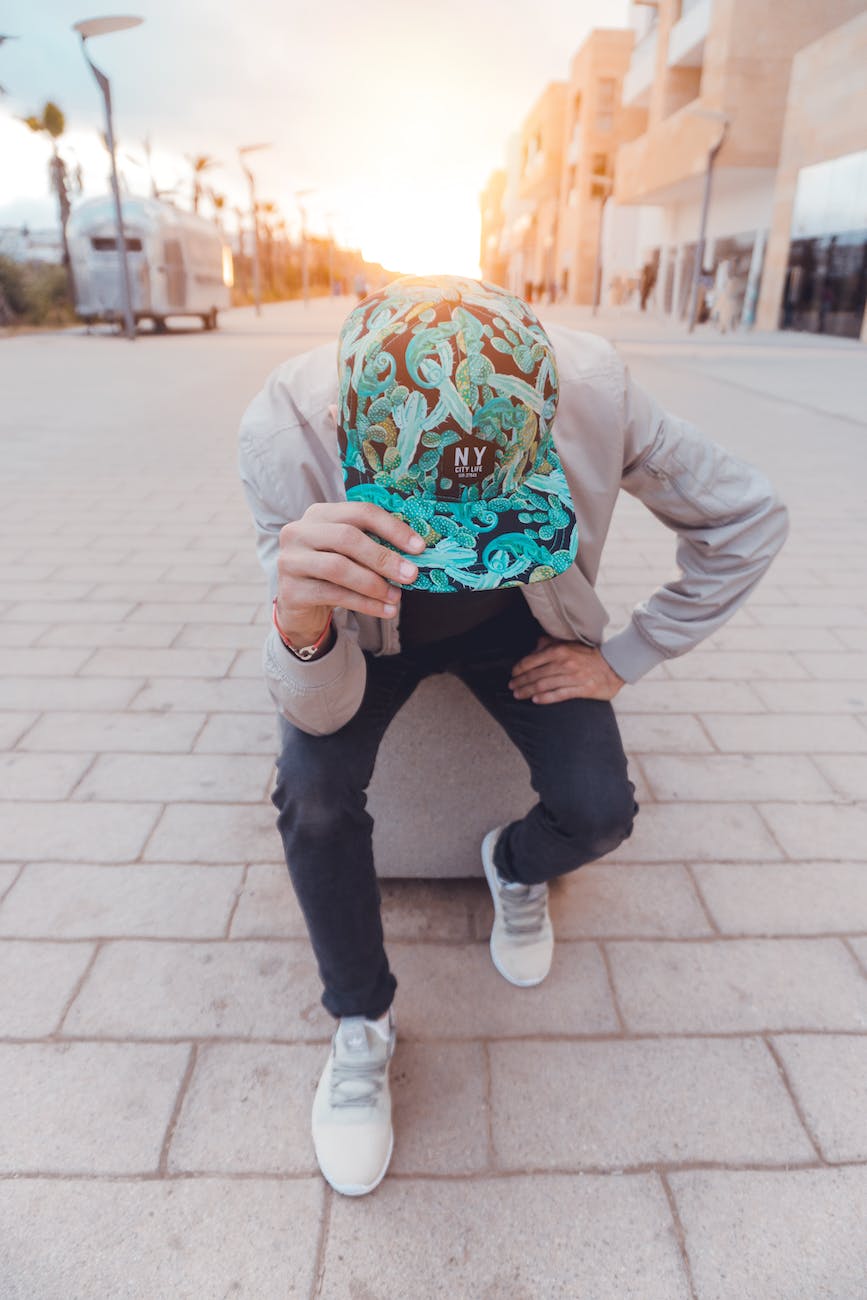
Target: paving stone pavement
<point>679,1111</point>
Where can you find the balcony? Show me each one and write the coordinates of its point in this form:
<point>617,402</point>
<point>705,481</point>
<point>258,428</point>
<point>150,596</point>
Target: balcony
<point>687,36</point>
<point>639,78</point>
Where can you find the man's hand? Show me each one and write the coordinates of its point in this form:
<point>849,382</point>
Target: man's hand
<point>563,670</point>
<point>327,559</point>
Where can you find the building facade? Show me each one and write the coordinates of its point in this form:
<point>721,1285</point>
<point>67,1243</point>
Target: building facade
<point>816,265</point>
<point>705,71</point>
<point>596,124</point>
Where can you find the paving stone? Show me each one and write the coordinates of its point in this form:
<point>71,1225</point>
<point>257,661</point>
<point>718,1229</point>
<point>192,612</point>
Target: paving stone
<point>139,733</point>
<point>785,897</point>
<point>859,947</point>
<point>167,694</point>
<point>108,572</point>
<point>158,663</point>
<point>197,832</point>
<point>137,635</point>
<point>853,638</point>
<point>655,733</point>
<point>248,663</point>
<point>87,1108</point>
<point>613,1105</point>
<point>247,1110</point>
<point>67,693</point>
<point>797,1235</point>
<point>735,666</point>
<point>744,777</point>
<point>268,907</point>
<point>41,662</point>
<point>233,636</point>
<point>787,733</point>
<point>20,634</point>
<point>36,982</point>
<point>68,832</point>
<point>768,639</point>
<point>8,873</point>
<point>74,1240</point>
<point>649,900</point>
<point>797,616</point>
<point>237,733</point>
<point>440,1110</point>
<point>697,832</point>
<point>77,902</point>
<point>841,667</point>
<point>485,1238</point>
<point>40,776</point>
<point>846,773</point>
<point>575,998</point>
<point>176,777</point>
<point>65,610</point>
<point>688,697</point>
<point>166,612</point>
<point>737,985</point>
<point>53,593</point>
<point>243,989</point>
<point>13,727</point>
<point>828,1074</point>
<point>182,593</point>
<point>819,830</point>
<point>814,697</point>
<point>411,909</point>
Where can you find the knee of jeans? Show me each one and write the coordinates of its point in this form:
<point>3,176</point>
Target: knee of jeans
<point>310,791</point>
<point>601,816</point>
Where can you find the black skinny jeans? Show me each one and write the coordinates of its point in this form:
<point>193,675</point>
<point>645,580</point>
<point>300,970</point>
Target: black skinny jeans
<point>577,765</point>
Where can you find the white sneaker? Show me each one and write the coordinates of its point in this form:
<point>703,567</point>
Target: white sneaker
<point>522,938</point>
<point>352,1133</point>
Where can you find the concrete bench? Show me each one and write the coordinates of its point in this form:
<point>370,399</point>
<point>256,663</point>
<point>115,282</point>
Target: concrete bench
<point>446,773</point>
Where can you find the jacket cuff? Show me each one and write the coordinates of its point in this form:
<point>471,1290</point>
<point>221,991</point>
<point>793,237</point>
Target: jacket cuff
<point>303,675</point>
<point>630,654</point>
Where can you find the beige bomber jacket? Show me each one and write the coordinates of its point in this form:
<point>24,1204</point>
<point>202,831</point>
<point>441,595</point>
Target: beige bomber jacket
<point>610,434</point>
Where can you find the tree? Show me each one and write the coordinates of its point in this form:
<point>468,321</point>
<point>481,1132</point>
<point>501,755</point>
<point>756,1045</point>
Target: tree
<point>53,124</point>
<point>200,164</point>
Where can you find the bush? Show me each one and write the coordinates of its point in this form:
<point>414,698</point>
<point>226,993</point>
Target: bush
<point>34,293</point>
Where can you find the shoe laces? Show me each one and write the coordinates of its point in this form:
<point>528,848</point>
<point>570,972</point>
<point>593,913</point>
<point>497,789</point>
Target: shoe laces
<point>524,909</point>
<point>367,1078</point>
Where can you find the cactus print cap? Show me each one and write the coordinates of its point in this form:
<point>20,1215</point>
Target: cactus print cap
<point>447,395</point>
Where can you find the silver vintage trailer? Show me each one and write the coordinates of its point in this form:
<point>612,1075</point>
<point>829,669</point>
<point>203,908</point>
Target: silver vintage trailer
<point>178,263</point>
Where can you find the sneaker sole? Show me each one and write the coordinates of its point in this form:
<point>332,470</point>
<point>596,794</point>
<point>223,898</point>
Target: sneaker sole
<point>359,1189</point>
<point>489,869</point>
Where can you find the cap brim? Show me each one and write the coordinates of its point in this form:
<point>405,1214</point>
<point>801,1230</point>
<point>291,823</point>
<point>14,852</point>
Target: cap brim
<point>480,545</point>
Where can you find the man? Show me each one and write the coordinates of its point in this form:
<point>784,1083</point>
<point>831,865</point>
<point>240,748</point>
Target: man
<point>415,514</point>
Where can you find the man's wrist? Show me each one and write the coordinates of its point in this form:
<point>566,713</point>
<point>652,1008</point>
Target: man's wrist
<point>302,642</point>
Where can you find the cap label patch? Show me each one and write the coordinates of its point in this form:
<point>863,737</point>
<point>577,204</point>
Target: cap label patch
<point>465,464</point>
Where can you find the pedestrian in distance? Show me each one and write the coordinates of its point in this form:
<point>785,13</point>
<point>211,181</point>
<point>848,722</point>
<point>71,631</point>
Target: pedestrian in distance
<point>431,493</point>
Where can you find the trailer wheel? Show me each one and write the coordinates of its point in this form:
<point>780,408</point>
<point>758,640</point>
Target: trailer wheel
<point>160,326</point>
<point>210,321</point>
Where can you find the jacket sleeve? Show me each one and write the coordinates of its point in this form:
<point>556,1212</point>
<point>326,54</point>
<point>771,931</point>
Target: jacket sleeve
<point>321,696</point>
<point>729,522</point>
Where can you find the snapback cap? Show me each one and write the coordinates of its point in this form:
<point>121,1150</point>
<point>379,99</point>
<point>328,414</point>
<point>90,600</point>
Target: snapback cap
<point>446,401</point>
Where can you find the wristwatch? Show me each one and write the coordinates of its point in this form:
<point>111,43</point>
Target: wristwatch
<point>305,652</point>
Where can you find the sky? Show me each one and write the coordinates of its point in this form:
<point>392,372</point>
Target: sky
<point>392,113</point>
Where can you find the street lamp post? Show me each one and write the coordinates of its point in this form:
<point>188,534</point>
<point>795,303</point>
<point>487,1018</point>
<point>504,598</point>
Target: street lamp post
<point>101,27</point>
<point>257,285</point>
<point>705,205</point>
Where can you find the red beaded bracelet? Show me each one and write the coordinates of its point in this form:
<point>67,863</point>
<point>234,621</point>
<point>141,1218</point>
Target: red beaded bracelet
<point>307,651</point>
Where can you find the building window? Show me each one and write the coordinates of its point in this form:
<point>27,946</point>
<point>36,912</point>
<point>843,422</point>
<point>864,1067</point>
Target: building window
<point>606,100</point>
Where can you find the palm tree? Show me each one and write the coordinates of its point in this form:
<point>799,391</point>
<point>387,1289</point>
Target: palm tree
<point>219,204</point>
<point>201,163</point>
<point>53,123</point>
